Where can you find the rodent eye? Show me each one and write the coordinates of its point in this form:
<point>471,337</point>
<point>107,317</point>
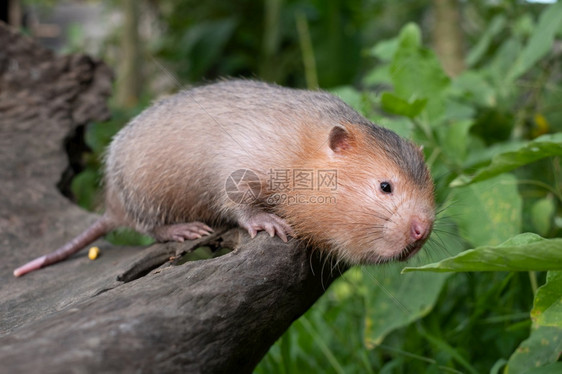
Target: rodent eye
<point>386,187</point>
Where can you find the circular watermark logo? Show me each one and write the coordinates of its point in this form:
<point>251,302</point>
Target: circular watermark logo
<point>243,186</point>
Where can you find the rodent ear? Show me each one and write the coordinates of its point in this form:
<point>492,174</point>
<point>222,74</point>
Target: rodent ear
<point>340,139</point>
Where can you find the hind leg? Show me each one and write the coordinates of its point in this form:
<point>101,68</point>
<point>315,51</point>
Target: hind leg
<point>181,231</point>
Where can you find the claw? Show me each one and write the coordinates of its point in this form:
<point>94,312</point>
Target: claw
<point>181,231</point>
<point>269,223</point>
<point>281,234</point>
<point>253,232</point>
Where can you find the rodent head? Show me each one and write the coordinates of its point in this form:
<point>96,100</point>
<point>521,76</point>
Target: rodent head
<point>384,207</point>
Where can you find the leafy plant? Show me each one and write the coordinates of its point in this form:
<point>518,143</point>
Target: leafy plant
<point>491,137</point>
<point>499,181</point>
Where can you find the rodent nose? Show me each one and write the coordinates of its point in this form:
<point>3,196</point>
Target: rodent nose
<point>419,230</point>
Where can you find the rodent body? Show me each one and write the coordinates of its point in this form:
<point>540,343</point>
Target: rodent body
<point>166,171</point>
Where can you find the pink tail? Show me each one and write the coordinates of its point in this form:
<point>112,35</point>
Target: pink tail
<point>99,228</point>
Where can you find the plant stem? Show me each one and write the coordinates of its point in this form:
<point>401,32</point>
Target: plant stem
<point>308,58</point>
<point>555,191</point>
<point>417,357</point>
<point>533,280</point>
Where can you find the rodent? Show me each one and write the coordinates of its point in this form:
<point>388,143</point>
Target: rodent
<point>167,173</point>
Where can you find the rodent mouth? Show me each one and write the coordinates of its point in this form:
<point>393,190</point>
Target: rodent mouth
<point>411,250</point>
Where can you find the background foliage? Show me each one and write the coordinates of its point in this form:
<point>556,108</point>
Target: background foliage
<point>492,136</point>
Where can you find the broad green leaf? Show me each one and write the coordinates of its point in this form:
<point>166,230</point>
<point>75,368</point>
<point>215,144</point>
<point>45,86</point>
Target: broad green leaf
<point>85,187</point>
<point>458,111</point>
<point>547,309</point>
<point>542,147</point>
<point>361,101</point>
<point>555,368</point>
<point>497,68</point>
<point>378,76</point>
<point>480,156</point>
<point>410,36</point>
<point>394,104</point>
<point>524,25</point>
<point>350,95</point>
<point>540,42</point>
<point>541,348</point>
<point>454,139</point>
<point>500,363</point>
<point>385,49</point>
<point>396,300</point>
<point>496,25</point>
<point>488,212</point>
<point>417,74</point>
<point>400,125</point>
<point>125,236</point>
<point>98,135</point>
<point>442,345</point>
<point>558,222</point>
<point>542,213</point>
<point>523,252</point>
<point>473,86</point>
<point>205,40</point>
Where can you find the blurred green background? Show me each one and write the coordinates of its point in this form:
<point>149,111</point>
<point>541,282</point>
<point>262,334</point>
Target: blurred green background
<point>477,83</point>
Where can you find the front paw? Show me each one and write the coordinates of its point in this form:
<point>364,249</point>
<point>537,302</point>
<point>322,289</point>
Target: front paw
<point>269,223</point>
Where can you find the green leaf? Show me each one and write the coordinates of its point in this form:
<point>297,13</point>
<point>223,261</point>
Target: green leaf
<point>500,363</point>
<point>394,104</point>
<point>476,53</point>
<point>417,74</point>
<point>394,300</point>
<point>126,236</point>
<point>499,65</point>
<point>542,213</point>
<point>541,348</point>
<point>397,301</point>
<point>84,187</point>
<point>458,111</point>
<point>410,36</point>
<point>542,147</point>
<point>480,156</point>
<point>547,309</point>
<point>361,101</point>
<point>473,86</point>
<point>400,125</point>
<point>488,212</point>
<point>385,49</point>
<point>540,42</point>
<point>544,344</point>
<point>524,25</point>
<point>555,368</point>
<point>378,76</point>
<point>204,42</point>
<point>98,135</point>
<point>523,252</point>
<point>454,139</point>
<point>350,95</point>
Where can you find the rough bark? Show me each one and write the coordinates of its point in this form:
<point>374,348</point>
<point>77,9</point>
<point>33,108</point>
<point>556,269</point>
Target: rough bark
<point>133,309</point>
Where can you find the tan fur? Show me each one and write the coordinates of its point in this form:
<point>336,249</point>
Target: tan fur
<point>170,164</point>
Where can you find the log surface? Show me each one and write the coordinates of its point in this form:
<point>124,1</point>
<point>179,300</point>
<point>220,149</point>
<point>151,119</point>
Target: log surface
<point>133,309</point>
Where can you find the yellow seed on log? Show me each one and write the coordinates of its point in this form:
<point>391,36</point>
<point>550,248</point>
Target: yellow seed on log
<point>93,253</point>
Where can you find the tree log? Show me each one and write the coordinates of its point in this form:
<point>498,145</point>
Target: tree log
<point>133,309</point>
